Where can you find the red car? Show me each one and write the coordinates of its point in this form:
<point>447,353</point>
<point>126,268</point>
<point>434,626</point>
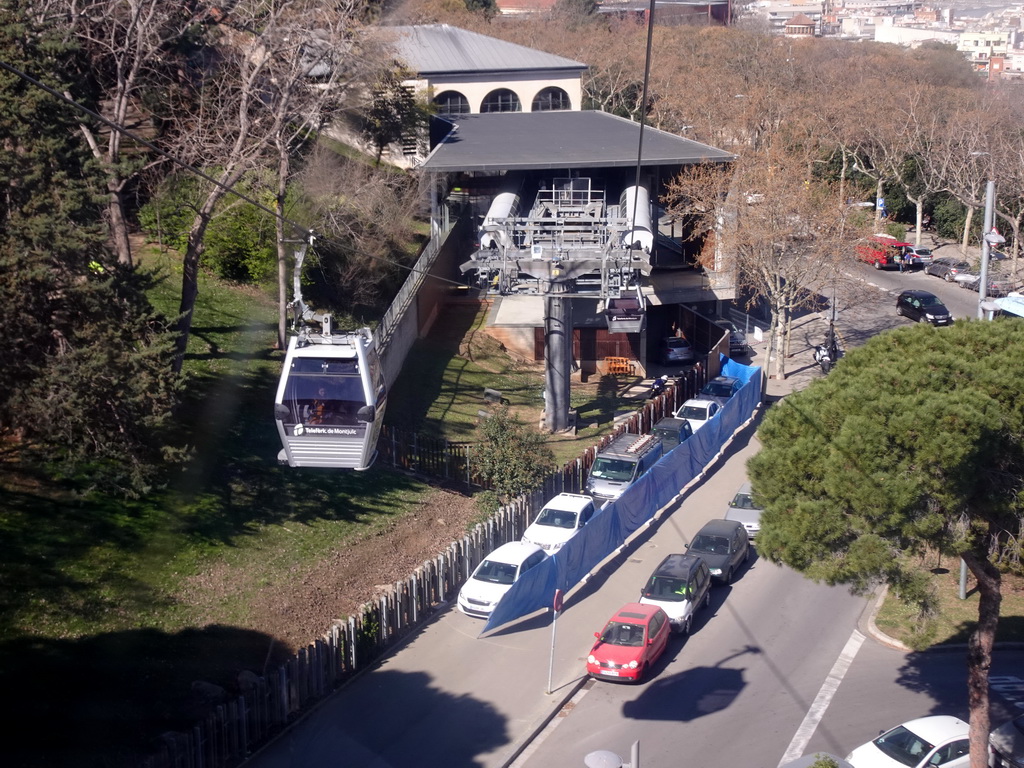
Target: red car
<point>630,643</point>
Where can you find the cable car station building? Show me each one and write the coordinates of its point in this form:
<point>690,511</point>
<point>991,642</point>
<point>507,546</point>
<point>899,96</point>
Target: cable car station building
<point>564,231</point>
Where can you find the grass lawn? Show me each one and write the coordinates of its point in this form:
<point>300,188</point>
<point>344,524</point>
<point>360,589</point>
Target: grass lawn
<point>439,391</point>
<point>77,566</point>
<point>955,618</point>
<point>109,593</point>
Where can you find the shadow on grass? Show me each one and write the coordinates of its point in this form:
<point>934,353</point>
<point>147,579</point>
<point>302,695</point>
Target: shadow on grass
<point>425,373</point>
<point>1010,630</point>
<point>234,481</point>
<point>105,700</point>
<point>212,336</point>
<point>440,390</point>
<point>44,536</point>
<point>83,558</point>
<point>601,408</point>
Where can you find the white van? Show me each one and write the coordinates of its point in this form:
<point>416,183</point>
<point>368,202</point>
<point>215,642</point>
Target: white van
<point>619,465</point>
<point>560,519</point>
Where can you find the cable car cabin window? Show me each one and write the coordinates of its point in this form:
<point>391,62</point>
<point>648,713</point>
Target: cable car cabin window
<point>331,399</point>
<point>327,400</point>
<point>319,365</point>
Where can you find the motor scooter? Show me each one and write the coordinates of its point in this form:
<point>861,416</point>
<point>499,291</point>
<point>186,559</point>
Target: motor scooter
<point>823,357</point>
<point>657,387</point>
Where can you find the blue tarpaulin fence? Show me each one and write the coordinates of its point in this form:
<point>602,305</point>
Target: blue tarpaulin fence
<point>609,528</point>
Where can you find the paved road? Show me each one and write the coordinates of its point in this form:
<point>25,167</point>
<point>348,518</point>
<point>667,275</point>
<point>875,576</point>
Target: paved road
<point>867,306</point>
<point>884,687</point>
<point>752,723</point>
<point>449,698</point>
<point>734,694</point>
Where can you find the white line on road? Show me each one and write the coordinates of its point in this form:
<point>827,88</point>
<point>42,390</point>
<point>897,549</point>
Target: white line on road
<point>823,699</point>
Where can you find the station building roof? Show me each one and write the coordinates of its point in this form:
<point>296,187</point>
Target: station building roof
<point>440,49</point>
<point>558,140</point>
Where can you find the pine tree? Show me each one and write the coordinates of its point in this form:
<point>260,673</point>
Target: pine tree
<point>85,381</point>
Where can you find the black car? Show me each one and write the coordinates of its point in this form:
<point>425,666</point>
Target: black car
<point>721,388</point>
<point>947,267</point>
<point>672,432</point>
<point>724,545</point>
<point>921,305</point>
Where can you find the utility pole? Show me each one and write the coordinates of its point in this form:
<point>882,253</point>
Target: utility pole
<point>989,237</point>
<point>990,194</point>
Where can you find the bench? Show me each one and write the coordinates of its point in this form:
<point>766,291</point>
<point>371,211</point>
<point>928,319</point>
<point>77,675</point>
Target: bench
<point>495,396</point>
<point>619,365</point>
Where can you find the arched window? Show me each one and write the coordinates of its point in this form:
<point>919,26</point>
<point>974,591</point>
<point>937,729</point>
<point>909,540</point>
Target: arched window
<point>501,100</point>
<point>451,103</point>
<point>551,99</point>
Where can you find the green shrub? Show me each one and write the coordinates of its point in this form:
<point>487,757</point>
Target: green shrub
<point>240,241</point>
<point>240,244</point>
<point>168,215</point>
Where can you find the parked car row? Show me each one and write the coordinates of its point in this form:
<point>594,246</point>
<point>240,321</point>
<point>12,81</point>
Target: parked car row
<point>947,267</point>
<point>884,251</point>
<point>561,518</point>
<point>698,411</point>
<point>637,634</point>
<point>956,270</point>
<point>998,283</point>
<point>677,350</point>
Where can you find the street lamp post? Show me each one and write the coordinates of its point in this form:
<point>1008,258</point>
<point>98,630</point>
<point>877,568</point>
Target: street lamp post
<point>989,238</point>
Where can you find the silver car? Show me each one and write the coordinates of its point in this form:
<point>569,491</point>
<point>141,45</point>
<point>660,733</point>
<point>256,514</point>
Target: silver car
<point>1008,744</point>
<point>743,510</point>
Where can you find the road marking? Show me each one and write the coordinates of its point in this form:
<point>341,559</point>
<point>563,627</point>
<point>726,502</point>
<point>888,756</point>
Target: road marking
<point>823,699</point>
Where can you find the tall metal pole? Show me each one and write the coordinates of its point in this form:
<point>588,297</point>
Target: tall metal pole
<point>557,358</point>
<point>990,196</point>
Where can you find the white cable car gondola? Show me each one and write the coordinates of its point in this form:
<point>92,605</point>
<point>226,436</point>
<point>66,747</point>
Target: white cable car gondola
<point>330,400</point>
<point>635,207</point>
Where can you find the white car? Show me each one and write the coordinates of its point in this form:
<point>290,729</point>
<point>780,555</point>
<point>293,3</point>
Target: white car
<point>919,255</point>
<point>743,510</point>
<point>809,761</point>
<point>939,741</point>
<point>561,518</point>
<point>697,411</point>
<point>495,574</point>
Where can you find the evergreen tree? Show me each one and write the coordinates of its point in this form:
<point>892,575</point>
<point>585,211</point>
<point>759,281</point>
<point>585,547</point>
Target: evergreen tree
<point>914,443</point>
<point>394,113</point>
<point>489,8</point>
<point>86,379</point>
